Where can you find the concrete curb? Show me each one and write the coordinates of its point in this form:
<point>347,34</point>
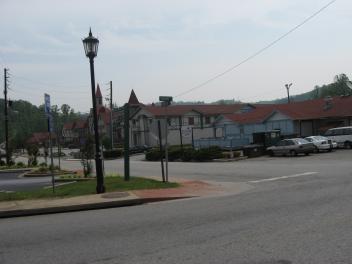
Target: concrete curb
<point>16,170</point>
<point>85,207</point>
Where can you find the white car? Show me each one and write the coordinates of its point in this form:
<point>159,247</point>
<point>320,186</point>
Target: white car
<point>322,143</point>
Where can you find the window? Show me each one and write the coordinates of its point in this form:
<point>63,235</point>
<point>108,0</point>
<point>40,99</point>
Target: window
<point>207,120</point>
<point>191,121</point>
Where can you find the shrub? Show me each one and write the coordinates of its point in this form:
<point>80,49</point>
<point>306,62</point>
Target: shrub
<point>187,154</point>
<point>115,153</point>
<point>175,153</point>
<point>2,163</point>
<point>153,155</point>
<point>207,154</point>
<point>20,164</point>
<point>43,164</point>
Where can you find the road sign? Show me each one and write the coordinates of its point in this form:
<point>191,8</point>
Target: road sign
<point>165,98</point>
<point>47,106</point>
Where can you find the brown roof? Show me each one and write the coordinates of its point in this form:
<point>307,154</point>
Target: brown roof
<point>98,92</point>
<point>340,106</point>
<point>69,125</point>
<point>80,124</point>
<point>40,137</point>
<point>133,101</point>
<point>179,110</point>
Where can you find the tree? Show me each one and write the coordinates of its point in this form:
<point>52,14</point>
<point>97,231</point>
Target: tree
<point>87,154</point>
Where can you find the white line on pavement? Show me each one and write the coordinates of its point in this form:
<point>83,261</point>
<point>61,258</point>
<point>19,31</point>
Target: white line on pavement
<point>284,177</point>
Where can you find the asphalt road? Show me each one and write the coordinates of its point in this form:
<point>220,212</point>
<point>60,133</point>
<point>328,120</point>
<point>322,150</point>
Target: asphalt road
<point>14,182</point>
<point>299,211</point>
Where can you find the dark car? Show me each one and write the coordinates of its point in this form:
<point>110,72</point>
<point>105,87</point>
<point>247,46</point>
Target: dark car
<point>292,147</point>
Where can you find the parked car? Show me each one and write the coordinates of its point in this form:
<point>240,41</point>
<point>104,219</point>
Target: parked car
<point>292,147</point>
<point>342,135</point>
<point>322,143</point>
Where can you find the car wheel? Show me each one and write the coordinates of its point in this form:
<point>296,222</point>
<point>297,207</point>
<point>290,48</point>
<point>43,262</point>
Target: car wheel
<point>307,153</point>
<point>316,149</point>
<point>293,153</point>
<point>271,153</point>
<point>348,144</point>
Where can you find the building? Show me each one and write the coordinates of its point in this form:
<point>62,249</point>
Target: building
<point>74,132</point>
<point>238,122</point>
<point>41,139</point>
<point>297,119</point>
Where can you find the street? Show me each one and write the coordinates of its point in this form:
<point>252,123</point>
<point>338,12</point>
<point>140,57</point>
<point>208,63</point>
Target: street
<point>302,215</point>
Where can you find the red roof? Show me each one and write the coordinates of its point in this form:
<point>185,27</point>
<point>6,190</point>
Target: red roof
<point>69,125</point>
<point>98,92</point>
<point>179,110</point>
<point>340,106</point>
<point>40,137</point>
<point>80,124</point>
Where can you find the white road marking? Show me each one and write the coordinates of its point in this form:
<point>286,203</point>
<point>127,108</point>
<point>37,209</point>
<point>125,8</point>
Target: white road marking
<point>284,177</point>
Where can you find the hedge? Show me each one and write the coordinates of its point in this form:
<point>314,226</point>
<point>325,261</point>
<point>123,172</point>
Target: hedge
<point>185,154</point>
<point>115,153</point>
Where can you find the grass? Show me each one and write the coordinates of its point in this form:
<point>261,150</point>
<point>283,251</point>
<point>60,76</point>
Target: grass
<point>114,183</point>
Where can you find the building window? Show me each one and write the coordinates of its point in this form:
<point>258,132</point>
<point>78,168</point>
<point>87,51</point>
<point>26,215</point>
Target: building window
<point>191,121</point>
<point>207,120</point>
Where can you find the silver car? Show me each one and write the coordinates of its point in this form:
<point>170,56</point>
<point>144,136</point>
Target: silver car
<point>292,147</point>
<point>322,143</point>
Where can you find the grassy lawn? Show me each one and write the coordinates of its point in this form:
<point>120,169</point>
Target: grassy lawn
<point>112,184</point>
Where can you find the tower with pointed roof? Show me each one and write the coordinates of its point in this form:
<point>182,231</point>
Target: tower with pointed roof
<point>133,101</point>
<point>99,97</point>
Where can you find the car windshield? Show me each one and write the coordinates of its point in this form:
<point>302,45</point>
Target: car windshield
<point>301,141</point>
<point>309,139</point>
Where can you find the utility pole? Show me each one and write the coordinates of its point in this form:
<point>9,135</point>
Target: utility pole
<point>111,124</point>
<point>288,91</point>
<point>6,77</point>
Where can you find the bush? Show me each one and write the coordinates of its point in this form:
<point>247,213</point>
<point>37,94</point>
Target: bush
<point>43,164</point>
<point>115,153</point>
<point>207,154</point>
<point>175,154</point>
<point>20,164</point>
<point>188,154</point>
<point>2,163</point>
<point>153,155</point>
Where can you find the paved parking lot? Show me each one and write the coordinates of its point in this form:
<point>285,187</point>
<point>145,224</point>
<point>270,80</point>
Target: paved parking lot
<point>237,171</point>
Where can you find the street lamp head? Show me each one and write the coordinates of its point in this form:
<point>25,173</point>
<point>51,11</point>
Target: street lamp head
<point>288,85</point>
<point>90,45</point>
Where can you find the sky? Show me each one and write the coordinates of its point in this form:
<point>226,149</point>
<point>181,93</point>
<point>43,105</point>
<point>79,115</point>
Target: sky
<point>166,47</point>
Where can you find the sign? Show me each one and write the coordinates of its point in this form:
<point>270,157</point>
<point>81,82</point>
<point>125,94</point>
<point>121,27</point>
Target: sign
<point>186,131</point>
<point>165,98</point>
<point>47,106</point>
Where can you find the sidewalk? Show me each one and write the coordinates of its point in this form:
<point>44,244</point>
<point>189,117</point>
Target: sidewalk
<point>118,199</point>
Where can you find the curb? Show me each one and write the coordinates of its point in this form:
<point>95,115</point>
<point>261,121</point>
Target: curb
<point>85,207</point>
<point>16,170</point>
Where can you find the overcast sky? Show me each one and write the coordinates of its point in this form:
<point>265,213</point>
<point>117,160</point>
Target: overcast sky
<point>167,47</point>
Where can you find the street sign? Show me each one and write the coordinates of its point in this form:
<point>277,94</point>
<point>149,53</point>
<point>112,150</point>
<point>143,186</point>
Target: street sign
<point>47,106</point>
<point>165,98</point>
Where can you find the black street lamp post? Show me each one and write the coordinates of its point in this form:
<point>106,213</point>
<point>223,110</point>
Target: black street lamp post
<point>90,44</point>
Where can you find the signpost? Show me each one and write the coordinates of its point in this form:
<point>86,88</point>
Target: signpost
<point>47,107</point>
<point>166,101</point>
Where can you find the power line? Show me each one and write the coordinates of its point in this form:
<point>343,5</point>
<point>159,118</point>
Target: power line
<point>258,52</point>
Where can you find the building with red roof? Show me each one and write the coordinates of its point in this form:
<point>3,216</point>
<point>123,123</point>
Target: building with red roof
<point>240,120</point>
